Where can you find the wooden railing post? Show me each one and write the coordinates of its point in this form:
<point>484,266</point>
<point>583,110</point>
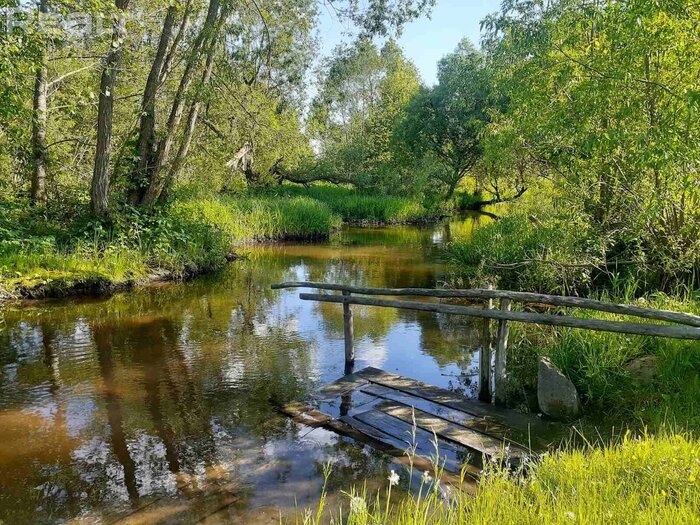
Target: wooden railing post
<point>348,329</point>
<point>485,357</point>
<point>501,358</point>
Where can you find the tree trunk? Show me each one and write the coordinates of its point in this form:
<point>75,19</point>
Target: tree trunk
<point>497,200</point>
<point>158,178</point>
<point>99,191</point>
<point>146,141</point>
<point>194,111</point>
<point>39,120</point>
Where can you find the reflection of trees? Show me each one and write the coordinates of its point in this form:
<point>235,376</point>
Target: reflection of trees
<point>103,345</point>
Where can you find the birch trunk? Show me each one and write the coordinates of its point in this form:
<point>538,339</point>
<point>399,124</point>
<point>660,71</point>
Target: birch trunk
<point>99,191</point>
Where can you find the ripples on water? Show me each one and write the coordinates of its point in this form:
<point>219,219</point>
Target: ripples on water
<point>158,404</point>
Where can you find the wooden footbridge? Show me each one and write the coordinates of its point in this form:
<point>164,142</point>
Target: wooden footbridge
<point>398,414</point>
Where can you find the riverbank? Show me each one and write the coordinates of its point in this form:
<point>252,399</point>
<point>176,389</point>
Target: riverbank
<point>45,254</point>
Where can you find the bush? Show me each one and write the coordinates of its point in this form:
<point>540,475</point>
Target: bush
<point>57,253</point>
<point>553,256</point>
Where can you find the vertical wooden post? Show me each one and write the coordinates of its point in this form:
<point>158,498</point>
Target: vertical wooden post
<point>347,324</point>
<point>485,358</point>
<point>499,377</point>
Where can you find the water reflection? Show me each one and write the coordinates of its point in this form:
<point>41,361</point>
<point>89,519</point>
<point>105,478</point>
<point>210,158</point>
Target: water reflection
<point>159,404</point>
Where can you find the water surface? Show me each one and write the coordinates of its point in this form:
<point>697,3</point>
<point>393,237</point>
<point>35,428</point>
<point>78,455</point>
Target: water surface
<point>158,405</point>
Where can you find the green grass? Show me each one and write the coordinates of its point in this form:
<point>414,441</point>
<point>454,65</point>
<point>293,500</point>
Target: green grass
<point>244,219</point>
<point>358,207</point>
<point>644,480</point>
<point>595,362</point>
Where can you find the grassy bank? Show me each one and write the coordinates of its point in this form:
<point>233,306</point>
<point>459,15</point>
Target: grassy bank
<point>638,480</point>
<point>46,254</point>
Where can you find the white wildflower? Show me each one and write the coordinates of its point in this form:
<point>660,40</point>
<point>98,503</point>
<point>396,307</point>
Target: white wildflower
<point>427,478</point>
<point>358,506</point>
<point>393,478</point>
<point>571,515</point>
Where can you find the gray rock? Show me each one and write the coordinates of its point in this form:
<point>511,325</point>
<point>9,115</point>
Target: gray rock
<point>556,394</point>
<point>643,369</point>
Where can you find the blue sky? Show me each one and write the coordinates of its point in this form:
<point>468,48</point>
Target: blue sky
<point>424,41</point>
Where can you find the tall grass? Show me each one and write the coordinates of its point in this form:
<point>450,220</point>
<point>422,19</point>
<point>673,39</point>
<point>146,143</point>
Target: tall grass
<point>360,207</point>
<point>597,362</point>
<point>654,480</point>
<point>262,218</point>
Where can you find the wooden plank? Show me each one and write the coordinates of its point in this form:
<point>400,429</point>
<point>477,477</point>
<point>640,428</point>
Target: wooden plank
<point>342,386</point>
<point>451,456</point>
<point>359,431</point>
<point>500,380</point>
<point>305,414</point>
<point>480,443</point>
<point>484,425</point>
<point>527,297</point>
<point>526,428</point>
<point>673,332</point>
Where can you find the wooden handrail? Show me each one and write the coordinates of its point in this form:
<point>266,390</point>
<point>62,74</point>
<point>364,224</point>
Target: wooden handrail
<point>675,332</point>
<point>526,297</point>
<point>690,330</point>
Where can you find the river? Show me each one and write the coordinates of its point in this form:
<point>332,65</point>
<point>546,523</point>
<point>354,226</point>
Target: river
<point>158,404</point>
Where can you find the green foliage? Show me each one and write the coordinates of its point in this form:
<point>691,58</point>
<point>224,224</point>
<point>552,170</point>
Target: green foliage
<point>522,252</point>
<point>56,253</point>
<point>445,122</point>
<point>364,92</point>
<point>595,362</point>
<point>614,126</point>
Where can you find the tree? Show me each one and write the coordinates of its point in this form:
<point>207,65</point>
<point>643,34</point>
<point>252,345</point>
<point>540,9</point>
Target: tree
<point>445,122</point>
<point>364,91</point>
<point>605,96</point>
<point>99,191</point>
<point>40,115</point>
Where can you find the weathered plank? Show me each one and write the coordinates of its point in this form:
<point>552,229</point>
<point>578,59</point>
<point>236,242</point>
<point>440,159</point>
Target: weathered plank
<point>527,429</point>
<point>348,332</point>
<point>449,455</point>
<point>364,433</point>
<point>465,419</point>
<point>527,297</point>
<point>344,385</point>
<point>485,350</point>
<point>500,380</point>
<point>481,444</point>
<point>305,414</point>
<point>674,332</point>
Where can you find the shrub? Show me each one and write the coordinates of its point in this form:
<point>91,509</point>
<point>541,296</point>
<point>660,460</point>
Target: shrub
<point>523,253</point>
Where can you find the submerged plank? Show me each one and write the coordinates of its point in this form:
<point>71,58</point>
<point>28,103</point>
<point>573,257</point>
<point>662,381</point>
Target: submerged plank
<point>526,428</point>
<point>305,414</point>
<point>342,386</point>
<point>422,442</point>
<point>362,432</point>
<point>465,419</point>
<point>481,444</point>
